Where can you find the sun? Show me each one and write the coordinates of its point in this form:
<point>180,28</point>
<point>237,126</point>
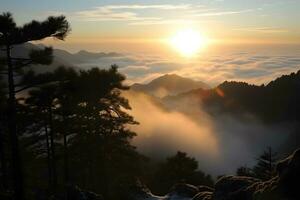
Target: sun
<point>188,42</point>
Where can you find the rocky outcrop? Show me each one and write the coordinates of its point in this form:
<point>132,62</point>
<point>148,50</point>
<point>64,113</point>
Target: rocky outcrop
<point>203,196</point>
<point>178,192</point>
<point>228,186</point>
<point>139,191</point>
<point>183,190</point>
<point>284,186</point>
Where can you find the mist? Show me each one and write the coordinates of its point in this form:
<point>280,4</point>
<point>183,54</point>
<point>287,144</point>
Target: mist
<point>221,143</point>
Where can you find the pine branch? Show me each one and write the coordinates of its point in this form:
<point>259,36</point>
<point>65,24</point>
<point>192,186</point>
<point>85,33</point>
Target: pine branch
<point>23,65</point>
<point>25,88</point>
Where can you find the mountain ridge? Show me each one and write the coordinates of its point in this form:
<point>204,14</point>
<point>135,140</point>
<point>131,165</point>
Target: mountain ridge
<point>275,102</point>
<point>169,84</point>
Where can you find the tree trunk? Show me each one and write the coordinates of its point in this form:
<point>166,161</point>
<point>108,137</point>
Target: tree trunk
<point>2,160</point>
<point>66,160</point>
<point>66,157</point>
<point>48,155</point>
<point>12,128</point>
<point>53,157</point>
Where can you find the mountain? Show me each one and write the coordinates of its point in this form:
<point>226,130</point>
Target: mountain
<point>61,57</point>
<point>169,84</point>
<point>22,51</point>
<point>82,56</point>
<point>275,102</point>
<point>273,105</point>
<point>86,55</point>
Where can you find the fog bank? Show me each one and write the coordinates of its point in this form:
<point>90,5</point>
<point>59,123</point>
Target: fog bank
<point>220,144</point>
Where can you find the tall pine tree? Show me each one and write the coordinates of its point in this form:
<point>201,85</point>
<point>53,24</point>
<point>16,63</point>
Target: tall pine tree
<point>10,35</point>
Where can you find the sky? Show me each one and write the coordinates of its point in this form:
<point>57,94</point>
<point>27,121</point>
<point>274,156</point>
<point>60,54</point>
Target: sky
<point>248,40</point>
<point>93,21</point>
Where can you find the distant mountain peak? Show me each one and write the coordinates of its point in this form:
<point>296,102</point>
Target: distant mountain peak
<point>169,84</point>
<point>85,55</point>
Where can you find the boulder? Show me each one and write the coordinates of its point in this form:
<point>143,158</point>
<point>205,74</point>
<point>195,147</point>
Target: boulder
<point>203,188</point>
<point>227,186</point>
<point>203,196</point>
<point>139,191</point>
<point>289,175</point>
<point>284,186</point>
<point>184,190</point>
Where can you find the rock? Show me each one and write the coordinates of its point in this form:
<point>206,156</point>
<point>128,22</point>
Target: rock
<point>228,185</point>
<point>203,188</point>
<point>184,190</point>
<point>139,191</point>
<point>204,193</point>
<point>203,196</point>
<point>284,186</point>
<point>178,192</point>
<point>289,175</point>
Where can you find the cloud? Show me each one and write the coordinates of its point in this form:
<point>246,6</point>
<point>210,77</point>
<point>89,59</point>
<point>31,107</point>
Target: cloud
<point>162,133</point>
<point>222,13</point>
<point>161,22</point>
<point>104,14</point>
<point>221,143</point>
<point>153,6</point>
<point>135,14</point>
<point>263,29</point>
<point>125,12</point>
<point>256,65</point>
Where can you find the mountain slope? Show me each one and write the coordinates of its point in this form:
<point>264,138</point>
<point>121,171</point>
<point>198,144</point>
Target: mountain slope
<point>22,51</point>
<point>60,57</point>
<point>276,102</point>
<point>169,84</point>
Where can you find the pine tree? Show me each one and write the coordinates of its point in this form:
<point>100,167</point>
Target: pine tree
<point>179,168</point>
<point>10,35</point>
<point>244,171</point>
<point>100,144</point>
<point>51,102</point>
<point>265,167</point>
<point>3,162</point>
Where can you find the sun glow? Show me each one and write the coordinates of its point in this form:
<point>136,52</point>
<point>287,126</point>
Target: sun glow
<point>188,42</point>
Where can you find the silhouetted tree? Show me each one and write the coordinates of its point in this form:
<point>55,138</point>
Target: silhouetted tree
<point>11,34</point>
<point>265,167</point>
<point>52,102</point>
<point>179,168</point>
<point>244,171</point>
<point>44,99</point>
<point>67,99</point>
<point>3,136</point>
<point>101,145</point>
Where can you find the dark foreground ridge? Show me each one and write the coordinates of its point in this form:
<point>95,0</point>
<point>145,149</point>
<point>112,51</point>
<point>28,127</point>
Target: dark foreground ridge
<point>284,186</point>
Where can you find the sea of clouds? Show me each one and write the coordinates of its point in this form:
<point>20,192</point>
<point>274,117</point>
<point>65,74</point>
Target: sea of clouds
<point>221,143</point>
<point>253,64</point>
